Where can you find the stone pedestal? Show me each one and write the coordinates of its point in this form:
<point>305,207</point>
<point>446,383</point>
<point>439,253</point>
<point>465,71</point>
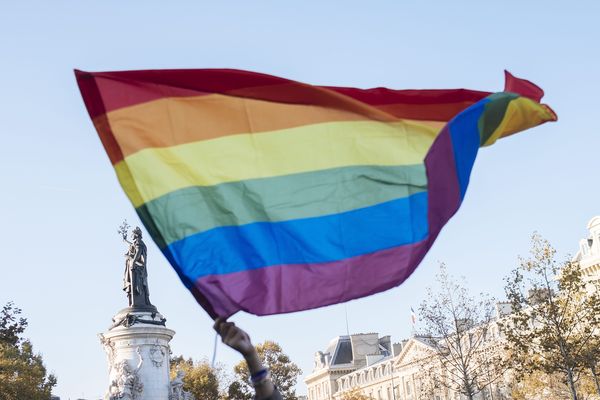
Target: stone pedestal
<point>137,347</point>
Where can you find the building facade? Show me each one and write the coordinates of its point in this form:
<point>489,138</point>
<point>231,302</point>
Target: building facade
<point>359,363</point>
<point>402,371</point>
<point>588,254</point>
<point>344,355</point>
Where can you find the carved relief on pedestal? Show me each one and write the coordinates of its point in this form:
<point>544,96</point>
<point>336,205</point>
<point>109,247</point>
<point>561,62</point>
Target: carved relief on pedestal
<point>127,384</point>
<point>157,355</point>
<point>109,348</point>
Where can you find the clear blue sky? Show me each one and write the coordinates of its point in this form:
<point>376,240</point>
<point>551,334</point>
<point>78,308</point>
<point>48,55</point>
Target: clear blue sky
<point>61,258</point>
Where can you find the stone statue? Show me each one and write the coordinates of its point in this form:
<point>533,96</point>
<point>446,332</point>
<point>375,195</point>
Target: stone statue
<point>109,348</point>
<point>177,392</point>
<point>135,280</point>
<point>319,360</point>
<point>127,384</point>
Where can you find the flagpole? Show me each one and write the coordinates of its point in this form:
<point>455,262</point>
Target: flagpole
<point>346,312</point>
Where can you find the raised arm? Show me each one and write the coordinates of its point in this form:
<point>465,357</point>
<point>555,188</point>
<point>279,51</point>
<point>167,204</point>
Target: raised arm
<point>239,340</point>
<point>124,236</point>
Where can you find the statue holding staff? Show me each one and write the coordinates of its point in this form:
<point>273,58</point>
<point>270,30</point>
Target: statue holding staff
<point>135,279</point>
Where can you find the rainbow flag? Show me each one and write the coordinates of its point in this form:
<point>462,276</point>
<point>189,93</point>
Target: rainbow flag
<point>271,196</point>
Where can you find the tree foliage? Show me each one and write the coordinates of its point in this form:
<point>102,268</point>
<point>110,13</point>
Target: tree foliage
<point>590,357</point>
<point>555,317</point>
<point>538,385</point>
<point>284,372</point>
<point>457,326</point>
<point>200,380</point>
<point>22,372</point>
<point>354,394</point>
<point>11,325</point>
<point>236,391</point>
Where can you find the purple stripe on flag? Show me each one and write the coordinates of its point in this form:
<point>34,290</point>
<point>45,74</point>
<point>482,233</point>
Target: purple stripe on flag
<point>443,186</point>
<point>287,288</point>
<point>293,287</point>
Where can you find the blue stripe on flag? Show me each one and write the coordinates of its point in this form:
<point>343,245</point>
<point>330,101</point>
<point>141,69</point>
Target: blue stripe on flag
<point>230,249</point>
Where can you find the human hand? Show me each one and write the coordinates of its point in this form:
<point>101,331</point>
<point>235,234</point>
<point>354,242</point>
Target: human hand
<point>239,340</point>
<point>234,337</point>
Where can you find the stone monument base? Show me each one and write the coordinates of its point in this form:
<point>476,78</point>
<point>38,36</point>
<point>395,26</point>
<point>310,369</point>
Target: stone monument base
<point>137,346</point>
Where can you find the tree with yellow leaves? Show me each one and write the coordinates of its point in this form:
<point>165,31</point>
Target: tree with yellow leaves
<point>200,379</point>
<point>284,373</point>
<point>555,317</point>
<point>354,394</point>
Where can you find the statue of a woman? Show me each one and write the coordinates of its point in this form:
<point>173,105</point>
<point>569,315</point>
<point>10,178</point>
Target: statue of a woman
<point>135,280</point>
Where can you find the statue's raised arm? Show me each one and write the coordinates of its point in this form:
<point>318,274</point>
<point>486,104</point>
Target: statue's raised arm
<point>123,229</point>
